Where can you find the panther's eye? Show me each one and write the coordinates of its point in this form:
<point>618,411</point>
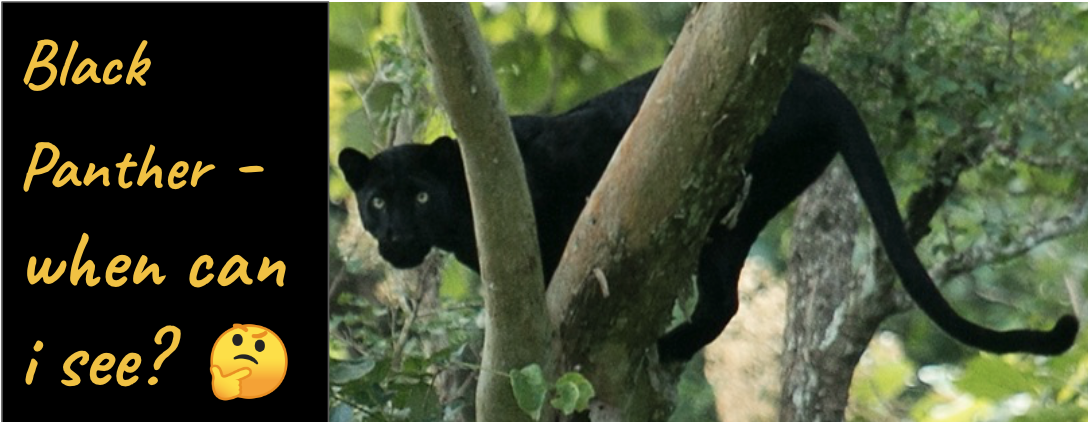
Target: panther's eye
<point>377,202</point>
<point>422,197</point>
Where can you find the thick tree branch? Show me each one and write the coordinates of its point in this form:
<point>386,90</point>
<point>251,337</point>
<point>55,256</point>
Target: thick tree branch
<point>949,162</point>
<point>644,224</point>
<point>510,267</point>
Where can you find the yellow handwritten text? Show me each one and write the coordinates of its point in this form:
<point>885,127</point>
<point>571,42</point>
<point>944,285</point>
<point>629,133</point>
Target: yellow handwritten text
<point>119,264</point>
<point>67,172</point>
<point>86,69</point>
<point>226,276</point>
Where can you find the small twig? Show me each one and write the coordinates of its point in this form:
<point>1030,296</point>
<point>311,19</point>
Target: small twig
<point>829,22</point>
<point>355,87</point>
<point>346,335</point>
<point>602,282</point>
<point>348,401</point>
<point>985,253</point>
<point>1076,297</point>
<point>334,286</point>
<point>477,368</point>
<point>1049,163</point>
<point>460,390</point>
<point>994,295</point>
<point>450,308</point>
<point>402,338</point>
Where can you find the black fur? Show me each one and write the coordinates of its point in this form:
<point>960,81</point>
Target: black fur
<point>566,154</point>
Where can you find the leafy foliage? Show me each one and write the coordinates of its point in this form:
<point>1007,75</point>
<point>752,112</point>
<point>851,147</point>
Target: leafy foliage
<point>934,79</point>
<point>572,391</point>
<point>931,80</point>
<point>374,378</point>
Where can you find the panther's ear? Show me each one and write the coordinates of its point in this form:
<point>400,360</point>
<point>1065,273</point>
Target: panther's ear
<point>356,167</point>
<point>445,146</point>
<point>444,153</point>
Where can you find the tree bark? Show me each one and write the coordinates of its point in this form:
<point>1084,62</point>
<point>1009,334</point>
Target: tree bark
<point>831,312</point>
<point>642,228</point>
<point>505,228</point>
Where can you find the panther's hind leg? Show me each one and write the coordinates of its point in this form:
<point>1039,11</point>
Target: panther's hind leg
<point>720,262</point>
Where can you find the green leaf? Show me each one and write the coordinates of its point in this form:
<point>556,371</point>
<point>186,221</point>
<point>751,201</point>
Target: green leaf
<point>529,389</point>
<point>380,96</point>
<point>947,125</point>
<point>418,400</point>
<point>414,365</point>
<point>946,86</point>
<point>340,413</point>
<point>455,280</point>
<point>992,378</point>
<point>573,392</point>
<point>566,398</point>
<point>345,372</point>
<point>342,57</point>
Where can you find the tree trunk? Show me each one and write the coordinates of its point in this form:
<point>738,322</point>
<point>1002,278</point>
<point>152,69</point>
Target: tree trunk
<point>642,228</point>
<point>831,312</point>
<point>506,236</point>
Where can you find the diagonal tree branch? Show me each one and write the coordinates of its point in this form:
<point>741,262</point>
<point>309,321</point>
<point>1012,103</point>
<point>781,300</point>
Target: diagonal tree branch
<point>644,224</point>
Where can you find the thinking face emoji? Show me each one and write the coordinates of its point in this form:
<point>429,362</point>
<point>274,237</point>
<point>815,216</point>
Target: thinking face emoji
<point>248,361</point>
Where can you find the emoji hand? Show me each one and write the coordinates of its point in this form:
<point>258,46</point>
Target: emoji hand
<point>227,387</point>
<point>248,361</point>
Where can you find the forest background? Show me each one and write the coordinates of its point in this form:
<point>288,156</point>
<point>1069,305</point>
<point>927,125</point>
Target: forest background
<point>1000,84</point>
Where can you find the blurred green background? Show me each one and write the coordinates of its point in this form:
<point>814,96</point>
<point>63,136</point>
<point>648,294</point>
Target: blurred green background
<point>927,79</point>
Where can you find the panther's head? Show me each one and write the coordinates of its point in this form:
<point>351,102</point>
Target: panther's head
<point>411,197</point>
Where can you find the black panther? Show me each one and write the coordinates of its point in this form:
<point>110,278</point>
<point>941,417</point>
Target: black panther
<point>414,197</point>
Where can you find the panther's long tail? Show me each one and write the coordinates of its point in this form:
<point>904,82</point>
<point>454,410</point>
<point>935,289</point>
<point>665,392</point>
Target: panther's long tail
<point>860,156</point>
